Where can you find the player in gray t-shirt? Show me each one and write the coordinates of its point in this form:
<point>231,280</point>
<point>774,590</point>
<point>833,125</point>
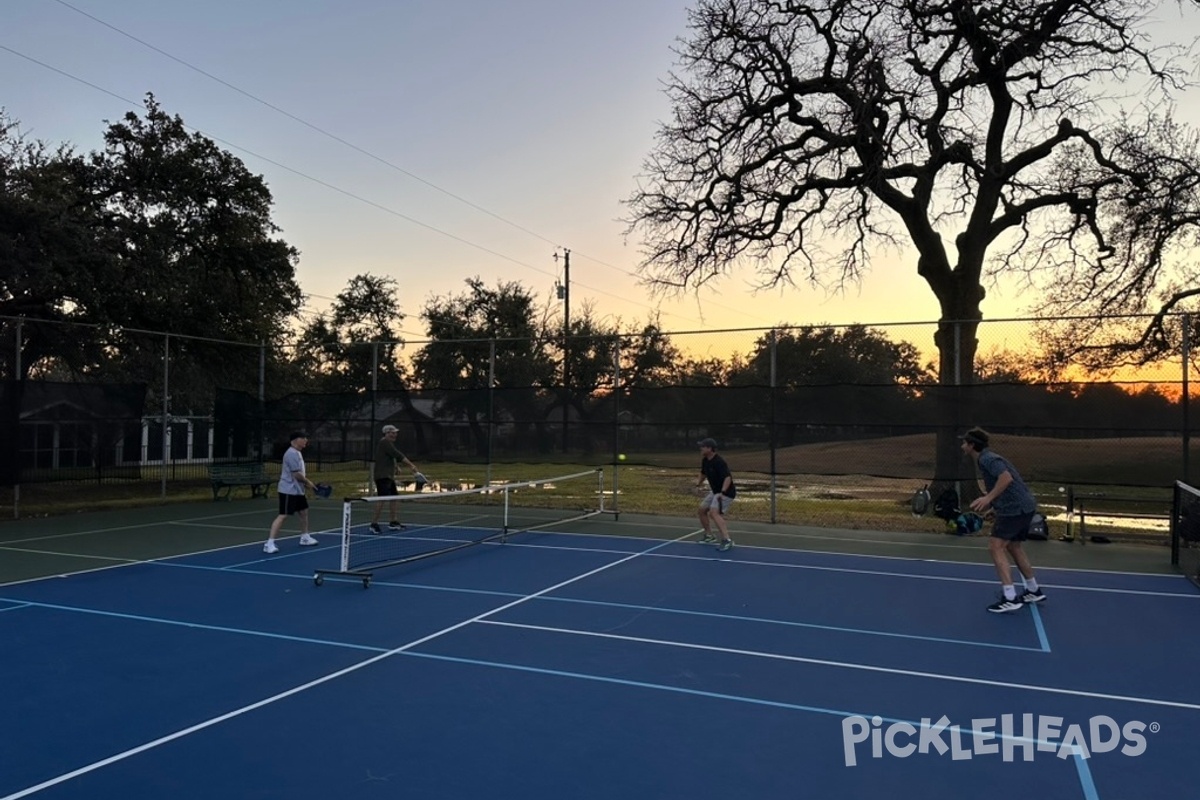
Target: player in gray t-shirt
<point>1013,504</point>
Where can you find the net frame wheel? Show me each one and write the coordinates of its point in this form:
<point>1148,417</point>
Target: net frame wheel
<point>318,579</point>
<point>367,582</point>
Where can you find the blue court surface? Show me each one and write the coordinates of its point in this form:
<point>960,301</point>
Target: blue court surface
<point>559,665</point>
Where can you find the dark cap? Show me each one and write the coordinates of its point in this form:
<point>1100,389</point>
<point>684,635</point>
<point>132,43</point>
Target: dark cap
<point>294,435</point>
<point>708,442</point>
<point>976,436</point>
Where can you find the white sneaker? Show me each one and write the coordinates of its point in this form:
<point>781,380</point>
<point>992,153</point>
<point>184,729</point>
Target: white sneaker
<point>307,541</point>
<point>270,547</point>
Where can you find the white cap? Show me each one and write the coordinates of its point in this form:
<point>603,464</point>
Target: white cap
<point>390,428</point>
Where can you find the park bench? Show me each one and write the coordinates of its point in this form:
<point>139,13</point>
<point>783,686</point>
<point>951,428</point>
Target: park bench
<point>1138,510</point>
<point>226,476</point>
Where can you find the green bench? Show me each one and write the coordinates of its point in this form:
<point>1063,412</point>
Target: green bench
<point>226,476</point>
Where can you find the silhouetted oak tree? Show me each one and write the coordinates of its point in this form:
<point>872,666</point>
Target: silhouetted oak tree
<point>983,137</point>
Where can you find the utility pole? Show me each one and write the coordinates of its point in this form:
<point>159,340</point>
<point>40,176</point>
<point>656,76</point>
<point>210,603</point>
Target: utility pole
<point>564,294</point>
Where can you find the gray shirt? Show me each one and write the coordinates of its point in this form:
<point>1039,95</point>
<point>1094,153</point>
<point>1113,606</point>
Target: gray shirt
<point>386,459</point>
<point>1014,500</point>
<point>293,462</point>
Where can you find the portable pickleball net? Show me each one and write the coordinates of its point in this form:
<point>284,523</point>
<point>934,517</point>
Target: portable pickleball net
<point>437,523</point>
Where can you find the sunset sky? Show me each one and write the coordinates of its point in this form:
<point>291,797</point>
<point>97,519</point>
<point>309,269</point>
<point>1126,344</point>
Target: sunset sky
<point>427,140</point>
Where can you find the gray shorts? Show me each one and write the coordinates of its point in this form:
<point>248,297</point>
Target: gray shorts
<point>716,502</point>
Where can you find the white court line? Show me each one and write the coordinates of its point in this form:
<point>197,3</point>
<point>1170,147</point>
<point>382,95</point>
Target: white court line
<point>317,682</point>
<point>91,531</point>
<point>68,555</point>
<point>991,581</point>
<point>134,563</point>
<point>850,665</point>
<point>948,578</point>
<point>849,570</point>
<point>973,548</point>
<point>210,526</point>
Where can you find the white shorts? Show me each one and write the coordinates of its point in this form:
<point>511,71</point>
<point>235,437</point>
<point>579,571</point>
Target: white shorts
<point>718,502</point>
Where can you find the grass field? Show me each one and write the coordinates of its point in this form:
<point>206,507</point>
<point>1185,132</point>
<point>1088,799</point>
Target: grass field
<point>848,484</point>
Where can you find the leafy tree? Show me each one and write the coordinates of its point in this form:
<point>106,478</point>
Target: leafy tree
<point>464,329</point>
<point>826,355</point>
<point>161,230</point>
<point>711,371</point>
<point>603,355</point>
<point>50,257</point>
<point>195,252</point>
<point>994,127</point>
<point>1000,365</point>
<point>591,350</point>
<point>355,345</point>
<point>352,349</point>
<point>649,357</point>
<point>832,377</point>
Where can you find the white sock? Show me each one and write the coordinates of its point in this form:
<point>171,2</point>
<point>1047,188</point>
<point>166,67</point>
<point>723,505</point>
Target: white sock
<point>1031,584</point>
<point>1010,592</point>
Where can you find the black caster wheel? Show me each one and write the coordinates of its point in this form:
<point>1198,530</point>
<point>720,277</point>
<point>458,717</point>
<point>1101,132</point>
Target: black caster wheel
<point>318,579</point>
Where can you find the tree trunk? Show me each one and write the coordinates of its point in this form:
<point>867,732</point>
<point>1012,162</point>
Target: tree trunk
<point>483,445</point>
<point>11,393</point>
<point>957,343</point>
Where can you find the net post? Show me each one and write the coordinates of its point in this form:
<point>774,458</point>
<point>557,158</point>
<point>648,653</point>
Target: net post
<point>600,486</point>
<point>504,531</point>
<point>346,527</point>
<point>1176,501</point>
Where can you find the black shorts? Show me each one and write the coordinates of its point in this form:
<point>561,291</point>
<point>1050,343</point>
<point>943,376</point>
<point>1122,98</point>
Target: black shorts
<point>386,487</point>
<point>292,503</point>
<point>1012,529</point>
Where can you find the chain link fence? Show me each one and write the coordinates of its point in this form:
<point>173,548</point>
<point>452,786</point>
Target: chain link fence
<point>803,415</point>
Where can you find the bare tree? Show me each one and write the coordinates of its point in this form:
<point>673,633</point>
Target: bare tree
<point>985,137</point>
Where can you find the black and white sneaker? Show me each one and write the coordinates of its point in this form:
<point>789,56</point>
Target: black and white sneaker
<point>395,526</point>
<point>1004,606</point>
<point>374,527</point>
<point>1032,597</point>
<point>707,537</point>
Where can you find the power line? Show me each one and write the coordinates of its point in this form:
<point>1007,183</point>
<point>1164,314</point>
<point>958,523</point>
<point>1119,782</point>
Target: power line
<point>334,187</point>
<point>306,123</point>
<point>379,159</point>
<point>299,173</point>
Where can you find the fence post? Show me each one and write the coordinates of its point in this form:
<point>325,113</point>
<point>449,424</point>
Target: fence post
<point>771,421</point>
<point>1185,398</point>
<point>262,399</point>
<point>166,410</point>
<point>17,377</point>
<point>491,426</point>
<point>616,426</point>
<point>374,408</point>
